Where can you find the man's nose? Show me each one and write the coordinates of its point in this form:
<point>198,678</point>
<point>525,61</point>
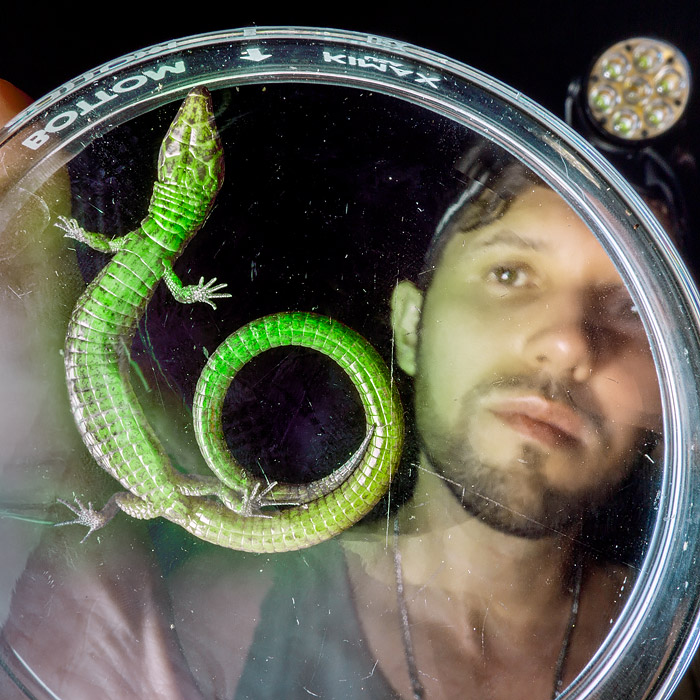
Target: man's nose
<point>561,347</point>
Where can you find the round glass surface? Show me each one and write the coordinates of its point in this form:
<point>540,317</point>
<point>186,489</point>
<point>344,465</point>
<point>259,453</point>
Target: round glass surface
<point>350,373</point>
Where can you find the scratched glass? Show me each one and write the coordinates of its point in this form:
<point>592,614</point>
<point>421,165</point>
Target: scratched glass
<point>540,523</point>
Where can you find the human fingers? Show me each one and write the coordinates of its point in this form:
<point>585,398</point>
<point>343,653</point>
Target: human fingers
<point>12,101</point>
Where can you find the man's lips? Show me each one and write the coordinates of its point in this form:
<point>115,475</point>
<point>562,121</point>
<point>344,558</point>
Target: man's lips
<point>549,422</point>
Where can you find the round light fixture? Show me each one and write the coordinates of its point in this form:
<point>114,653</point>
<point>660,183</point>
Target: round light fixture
<point>638,88</point>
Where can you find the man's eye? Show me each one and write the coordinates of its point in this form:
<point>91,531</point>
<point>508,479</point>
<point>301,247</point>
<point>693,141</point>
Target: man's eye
<point>516,276</point>
<point>624,308</point>
<point>621,315</point>
<point>628,318</point>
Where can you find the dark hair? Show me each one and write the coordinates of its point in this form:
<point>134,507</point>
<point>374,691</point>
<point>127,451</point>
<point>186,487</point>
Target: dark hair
<point>493,180</point>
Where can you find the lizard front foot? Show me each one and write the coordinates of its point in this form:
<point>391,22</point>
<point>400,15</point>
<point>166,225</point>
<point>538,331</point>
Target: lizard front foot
<point>193,293</point>
<point>72,229</point>
<point>88,516</point>
<point>206,291</point>
<point>96,241</point>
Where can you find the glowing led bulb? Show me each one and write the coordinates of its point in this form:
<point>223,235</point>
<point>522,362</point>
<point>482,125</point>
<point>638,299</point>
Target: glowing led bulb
<point>625,123</point>
<point>647,57</point>
<point>670,83</point>
<point>615,67</point>
<point>636,90</point>
<point>604,98</point>
<point>657,114</point>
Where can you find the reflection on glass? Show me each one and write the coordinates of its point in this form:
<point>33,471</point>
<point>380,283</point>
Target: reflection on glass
<point>505,550</point>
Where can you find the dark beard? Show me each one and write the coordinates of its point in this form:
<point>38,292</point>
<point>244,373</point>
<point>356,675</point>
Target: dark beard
<point>487,494</point>
<point>520,501</point>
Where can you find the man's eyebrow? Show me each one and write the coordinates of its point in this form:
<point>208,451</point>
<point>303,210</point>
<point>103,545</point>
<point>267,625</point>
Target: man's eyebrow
<point>508,237</point>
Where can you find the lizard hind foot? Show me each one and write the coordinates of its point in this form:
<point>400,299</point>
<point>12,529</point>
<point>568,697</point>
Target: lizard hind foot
<point>254,501</point>
<point>257,499</point>
<point>88,516</point>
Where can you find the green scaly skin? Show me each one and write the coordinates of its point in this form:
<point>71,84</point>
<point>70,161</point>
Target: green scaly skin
<point>226,510</point>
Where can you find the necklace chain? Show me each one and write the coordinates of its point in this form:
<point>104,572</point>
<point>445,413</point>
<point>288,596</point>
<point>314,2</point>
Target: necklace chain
<point>416,685</point>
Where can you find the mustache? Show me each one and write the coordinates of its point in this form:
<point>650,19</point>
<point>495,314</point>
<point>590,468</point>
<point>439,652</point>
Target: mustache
<point>551,389</point>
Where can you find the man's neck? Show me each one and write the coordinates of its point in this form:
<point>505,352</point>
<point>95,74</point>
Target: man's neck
<point>488,612</point>
<point>457,552</point>
<point>447,548</point>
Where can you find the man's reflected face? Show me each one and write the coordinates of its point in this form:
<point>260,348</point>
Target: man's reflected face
<point>534,381</point>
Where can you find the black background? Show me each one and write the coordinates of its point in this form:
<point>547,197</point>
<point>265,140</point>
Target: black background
<point>536,47</point>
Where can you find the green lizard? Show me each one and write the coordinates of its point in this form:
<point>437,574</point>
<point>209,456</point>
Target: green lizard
<point>225,509</point>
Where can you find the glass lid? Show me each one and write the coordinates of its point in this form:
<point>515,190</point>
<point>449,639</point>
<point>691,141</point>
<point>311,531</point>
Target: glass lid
<point>347,371</point>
